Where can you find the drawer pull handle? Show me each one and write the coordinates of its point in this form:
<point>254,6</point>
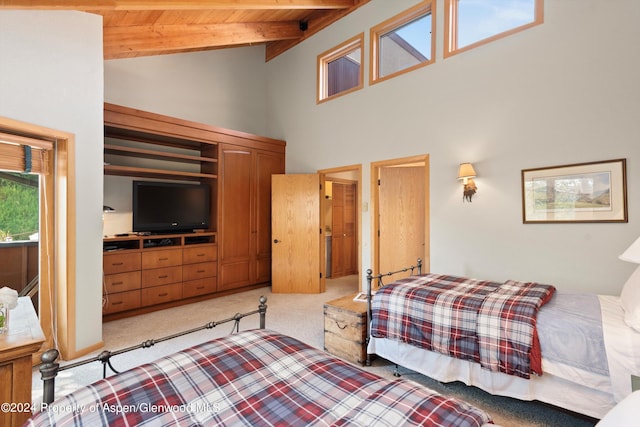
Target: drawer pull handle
<point>116,303</point>
<point>201,255</point>
<point>117,263</point>
<point>200,287</point>
<point>201,271</point>
<point>163,259</point>
<point>163,277</point>
<point>117,283</point>
<point>164,294</point>
<point>341,327</point>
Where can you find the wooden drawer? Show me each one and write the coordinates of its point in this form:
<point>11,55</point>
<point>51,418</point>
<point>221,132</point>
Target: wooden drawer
<point>345,329</point>
<point>119,263</point>
<point>160,294</point>
<point>196,254</point>
<point>161,258</point>
<point>161,276</point>
<point>121,282</point>
<point>199,271</point>
<point>194,288</point>
<point>121,301</point>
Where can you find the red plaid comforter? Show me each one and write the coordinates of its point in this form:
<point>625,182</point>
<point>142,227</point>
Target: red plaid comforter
<point>490,323</point>
<point>254,378</point>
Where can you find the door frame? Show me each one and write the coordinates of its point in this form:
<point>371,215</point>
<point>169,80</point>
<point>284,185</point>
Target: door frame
<point>375,207</point>
<point>324,175</point>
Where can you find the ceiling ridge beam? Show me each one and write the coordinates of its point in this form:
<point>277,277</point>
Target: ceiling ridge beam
<point>115,5</point>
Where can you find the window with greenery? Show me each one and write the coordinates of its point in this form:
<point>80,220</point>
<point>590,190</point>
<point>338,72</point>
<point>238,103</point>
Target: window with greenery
<point>471,23</point>
<point>19,208</point>
<point>340,69</point>
<point>403,43</point>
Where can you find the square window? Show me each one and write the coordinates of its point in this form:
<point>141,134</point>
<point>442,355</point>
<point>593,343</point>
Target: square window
<point>340,69</point>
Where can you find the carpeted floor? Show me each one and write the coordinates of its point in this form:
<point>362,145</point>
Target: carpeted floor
<point>298,315</point>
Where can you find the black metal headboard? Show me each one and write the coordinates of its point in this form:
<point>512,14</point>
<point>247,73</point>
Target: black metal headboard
<point>49,368</point>
<point>413,269</point>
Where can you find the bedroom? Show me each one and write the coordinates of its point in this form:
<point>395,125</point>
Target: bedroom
<point>556,94</point>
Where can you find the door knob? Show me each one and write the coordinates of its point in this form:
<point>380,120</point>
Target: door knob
<point>276,241</point>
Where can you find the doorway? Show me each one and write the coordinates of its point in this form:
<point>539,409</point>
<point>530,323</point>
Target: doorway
<point>400,209</point>
<point>341,221</point>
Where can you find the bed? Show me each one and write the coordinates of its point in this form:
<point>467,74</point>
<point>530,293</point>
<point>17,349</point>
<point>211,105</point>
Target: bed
<point>254,377</point>
<point>588,352</point>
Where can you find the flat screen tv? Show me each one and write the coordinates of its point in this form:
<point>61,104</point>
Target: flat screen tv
<point>165,207</point>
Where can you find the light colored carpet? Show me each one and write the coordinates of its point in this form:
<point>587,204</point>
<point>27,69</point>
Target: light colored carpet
<point>298,315</point>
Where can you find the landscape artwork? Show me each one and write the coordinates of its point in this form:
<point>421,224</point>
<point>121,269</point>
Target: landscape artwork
<point>586,192</point>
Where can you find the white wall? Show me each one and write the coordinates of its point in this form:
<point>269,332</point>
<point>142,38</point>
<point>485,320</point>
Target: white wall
<point>51,75</point>
<point>564,92</point>
<point>224,88</point>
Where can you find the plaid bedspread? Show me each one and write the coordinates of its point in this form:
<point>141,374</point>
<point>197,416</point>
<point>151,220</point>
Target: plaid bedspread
<point>254,378</point>
<point>490,323</point>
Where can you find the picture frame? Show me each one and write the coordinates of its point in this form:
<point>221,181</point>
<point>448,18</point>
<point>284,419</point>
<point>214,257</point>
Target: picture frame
<point>581,192</point>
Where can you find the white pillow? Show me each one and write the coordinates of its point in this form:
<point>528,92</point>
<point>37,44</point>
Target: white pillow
<point>630,299</point>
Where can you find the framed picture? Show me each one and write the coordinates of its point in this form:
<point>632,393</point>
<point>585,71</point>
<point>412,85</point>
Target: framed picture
<point>583,192</point>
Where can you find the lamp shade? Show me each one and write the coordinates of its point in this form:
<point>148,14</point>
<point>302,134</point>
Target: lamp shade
<point>632,254</point>
<point>466,171</point>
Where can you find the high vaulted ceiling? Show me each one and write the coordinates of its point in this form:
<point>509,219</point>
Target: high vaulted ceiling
<point>135,28</point>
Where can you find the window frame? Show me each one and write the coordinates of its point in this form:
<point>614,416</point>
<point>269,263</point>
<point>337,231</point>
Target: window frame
<point>451,33</point>
<point>343,49</point>
<point>403,18</point>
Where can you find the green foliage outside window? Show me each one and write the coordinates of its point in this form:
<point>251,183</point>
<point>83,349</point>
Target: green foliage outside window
<point>18,206</point>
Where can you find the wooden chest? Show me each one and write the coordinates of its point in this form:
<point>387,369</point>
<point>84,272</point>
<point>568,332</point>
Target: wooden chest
<point>345,329</point>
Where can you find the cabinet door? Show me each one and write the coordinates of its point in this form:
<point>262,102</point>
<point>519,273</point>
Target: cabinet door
<point>267,164</point>
<point>235,203</point>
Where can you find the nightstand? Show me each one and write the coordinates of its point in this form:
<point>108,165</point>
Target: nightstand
<point>16,348</point>
<point>345,329</point>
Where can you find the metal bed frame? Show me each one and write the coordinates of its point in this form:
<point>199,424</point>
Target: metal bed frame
<point>50,369</point>
<point>378,278</point>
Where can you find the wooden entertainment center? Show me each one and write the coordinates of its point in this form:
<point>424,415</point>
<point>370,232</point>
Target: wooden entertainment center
<point>144,273</point>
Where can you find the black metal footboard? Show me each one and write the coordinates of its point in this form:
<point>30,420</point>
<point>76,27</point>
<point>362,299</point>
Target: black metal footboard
<point>413,269</point>
<point>49,368</point>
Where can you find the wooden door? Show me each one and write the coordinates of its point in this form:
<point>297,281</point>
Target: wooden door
<point>344,232</point>
<point>295,224</point>
<point>401,210</point>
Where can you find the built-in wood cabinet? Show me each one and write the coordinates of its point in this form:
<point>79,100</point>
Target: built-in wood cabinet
<point>142,272</point>
<point>238,168</point>
<point>245,213</point>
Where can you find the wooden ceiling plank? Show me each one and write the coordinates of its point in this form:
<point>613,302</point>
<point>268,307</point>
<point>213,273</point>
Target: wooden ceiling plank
<point>104,5</point>
<point>121,41</point>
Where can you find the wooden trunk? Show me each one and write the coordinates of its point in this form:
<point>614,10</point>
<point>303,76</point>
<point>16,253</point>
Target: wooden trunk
<point>345,329</point>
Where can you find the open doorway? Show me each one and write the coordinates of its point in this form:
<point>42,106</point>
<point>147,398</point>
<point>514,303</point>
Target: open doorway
<point>400,213</point>
<point>340,219</point>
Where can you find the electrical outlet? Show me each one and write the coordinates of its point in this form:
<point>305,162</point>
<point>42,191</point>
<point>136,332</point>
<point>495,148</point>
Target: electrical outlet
<point>635,382</point>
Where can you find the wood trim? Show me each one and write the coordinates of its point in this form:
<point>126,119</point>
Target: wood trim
<point>450,30</point>
<point>421,9</point>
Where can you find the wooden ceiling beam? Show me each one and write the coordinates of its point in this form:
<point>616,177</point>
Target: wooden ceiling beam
<point>120,42</point>
<point>112,5</point>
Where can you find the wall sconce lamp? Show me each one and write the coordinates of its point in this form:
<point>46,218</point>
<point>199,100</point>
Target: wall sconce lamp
<point>466,173</point>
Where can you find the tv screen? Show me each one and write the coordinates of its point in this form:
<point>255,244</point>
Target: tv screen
<point>164,207</point>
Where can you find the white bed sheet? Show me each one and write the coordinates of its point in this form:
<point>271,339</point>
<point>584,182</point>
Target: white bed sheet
<point>623,346</point>
<point>561,385</point>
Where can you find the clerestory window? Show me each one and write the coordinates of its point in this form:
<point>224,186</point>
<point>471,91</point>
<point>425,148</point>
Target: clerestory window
<point>471,23</point>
